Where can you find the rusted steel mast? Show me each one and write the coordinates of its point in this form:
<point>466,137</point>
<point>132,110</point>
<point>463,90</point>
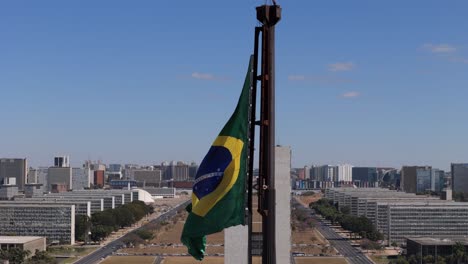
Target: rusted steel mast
<point>268,15</point>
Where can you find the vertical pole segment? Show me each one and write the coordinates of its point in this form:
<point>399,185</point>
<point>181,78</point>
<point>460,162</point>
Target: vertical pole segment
<point>252,122</point>
<point>268,17</point>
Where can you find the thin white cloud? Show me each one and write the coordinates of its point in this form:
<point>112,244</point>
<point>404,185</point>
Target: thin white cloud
<point>439,48</point>
<point>323,79</point>
<point>296,77</point>
<point>351,94</point>
<point>203,76</point>
<point>459,59</point>
<point>341,66</point>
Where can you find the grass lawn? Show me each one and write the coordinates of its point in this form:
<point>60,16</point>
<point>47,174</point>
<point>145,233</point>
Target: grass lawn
<point>74,252</point>
<point>128,260</point>
<point>207,260</point>
<point>313,260</point>
<point>380,259</point>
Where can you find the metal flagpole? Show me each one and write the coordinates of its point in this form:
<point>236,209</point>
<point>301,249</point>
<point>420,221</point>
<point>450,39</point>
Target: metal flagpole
<point>268,15</point>
<point>253,118</point>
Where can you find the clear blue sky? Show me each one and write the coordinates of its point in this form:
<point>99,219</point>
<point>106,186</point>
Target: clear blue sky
<point>365,82</point>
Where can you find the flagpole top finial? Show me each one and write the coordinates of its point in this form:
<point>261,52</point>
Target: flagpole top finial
<point>269,15</point>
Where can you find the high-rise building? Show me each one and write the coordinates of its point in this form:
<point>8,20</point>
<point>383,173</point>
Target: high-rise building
<point>345,173</point>
<point>32,176</point>
<point>14,168</point>
<point>193,170</point>
<point>326,173</point>
<point>306,172</point>
<point>180,172</point>
<point>437,180</point>
<point>60,176</point>
<point>62,161</point>
<point>114,172</point>
<point>81,178</point>
<point>365,176</point>
<point>419,179</point>
<point>459,177</point>
<point>42,175</point>
<point>148,177</point>
<point>99,178</point>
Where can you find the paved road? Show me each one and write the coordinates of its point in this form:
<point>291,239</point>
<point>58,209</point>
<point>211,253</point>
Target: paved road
<point>344,247</point>
<point>113,246</point>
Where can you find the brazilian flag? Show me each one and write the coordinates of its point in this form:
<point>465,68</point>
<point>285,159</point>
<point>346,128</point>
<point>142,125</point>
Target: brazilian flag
<point>219,190</point>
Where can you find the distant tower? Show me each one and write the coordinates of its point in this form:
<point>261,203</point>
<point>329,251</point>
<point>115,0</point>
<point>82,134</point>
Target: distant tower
<point>306,172</point>
<point>62,161</point>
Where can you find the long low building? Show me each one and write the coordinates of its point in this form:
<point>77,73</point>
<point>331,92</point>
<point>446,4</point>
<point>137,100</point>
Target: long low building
<point>399,215</point>
<point>56,222</point>
<point>81,207</point>
<point>53,215</point>
<point>424,246</point>
<point>28,243</point>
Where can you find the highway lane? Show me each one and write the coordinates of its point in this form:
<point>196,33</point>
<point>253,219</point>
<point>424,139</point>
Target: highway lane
<point>113,246</point>
<point>344,247</point>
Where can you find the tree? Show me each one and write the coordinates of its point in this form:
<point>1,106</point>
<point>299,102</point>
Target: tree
<point>132,240</point>
<point>440,260</point>
<point>82,227</point>
<point>41,257</point>
<point>428,259</point>
<point>144,234</point>
<point>394,244</point>
<point>124,216</point>
<point>413,259</point>
<point>14,255</point>
<point>399,260</point>
<point>99,232</point>
<point>459,251</point>
<point>345,209</point>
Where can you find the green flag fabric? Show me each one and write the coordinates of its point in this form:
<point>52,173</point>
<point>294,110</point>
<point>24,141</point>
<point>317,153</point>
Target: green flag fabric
<point>219,191</point>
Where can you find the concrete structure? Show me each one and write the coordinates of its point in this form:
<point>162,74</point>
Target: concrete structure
<point>235,246</point>
<point>399,215</point>
<point>306,172</point>
<point>425,246</point>
<point>345,173</point>
<point>55,222</point>
<point>42,176</point>
<point>14,168</point>
<point>235,249</point>
<point>459,177</point>
<point>193,168</point>
<point>419,179</point>
<point>99,178</point>
<point>437,180</point>
<point>33,189</point>
<point>7,192</point>
<point>282,185</point>
<point>62,161</point>
<point>29,243</point>
<point>148,177</point>
<point>81,178</point>
<point>32,176</point>
<point>324,173</point>
<point>60,176</point>
<point>180,172</point>
<point>123,184</point>
<point>161,192</point>
<point>365,177</point>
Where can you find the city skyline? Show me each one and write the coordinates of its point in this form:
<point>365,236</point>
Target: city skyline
<point>369,84</point>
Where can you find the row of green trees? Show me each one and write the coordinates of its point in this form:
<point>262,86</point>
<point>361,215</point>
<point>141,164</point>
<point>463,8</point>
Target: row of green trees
<point>357,224</point>
<point>18,256</point>
<point>103,223</point>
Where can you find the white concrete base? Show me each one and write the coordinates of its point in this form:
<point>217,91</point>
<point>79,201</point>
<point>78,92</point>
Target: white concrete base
<point>235,244</point>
